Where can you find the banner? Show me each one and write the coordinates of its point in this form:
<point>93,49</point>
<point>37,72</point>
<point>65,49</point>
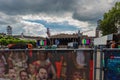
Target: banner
<point>112,65</point>
<point>46,65</point>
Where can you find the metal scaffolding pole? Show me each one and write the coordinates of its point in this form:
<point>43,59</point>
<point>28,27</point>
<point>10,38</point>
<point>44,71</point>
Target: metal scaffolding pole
<point>95,61</point>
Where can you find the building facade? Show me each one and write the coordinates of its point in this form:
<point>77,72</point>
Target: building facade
<point>9,30</point>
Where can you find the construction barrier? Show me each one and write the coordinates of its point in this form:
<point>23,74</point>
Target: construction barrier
<point>107,64</point>
<point>39,64</point>
<point>112,65</point>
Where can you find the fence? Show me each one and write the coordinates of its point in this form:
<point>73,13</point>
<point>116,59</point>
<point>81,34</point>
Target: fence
<point>60,64</point>
<point>38,64</point>
<point>107,64</point>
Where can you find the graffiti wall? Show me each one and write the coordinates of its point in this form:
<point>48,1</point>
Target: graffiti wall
<point>45,65</point>
<point>112,65</point>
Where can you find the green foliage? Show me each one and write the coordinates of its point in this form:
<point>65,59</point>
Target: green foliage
<point>5,40</point>
<point>108,24</point>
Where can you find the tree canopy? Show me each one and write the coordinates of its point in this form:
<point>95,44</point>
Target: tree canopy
<point>5,40</point>
<point>110,19</point>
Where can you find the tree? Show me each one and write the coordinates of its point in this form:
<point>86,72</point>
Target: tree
<point>108,24</point>
<point>5,40</point>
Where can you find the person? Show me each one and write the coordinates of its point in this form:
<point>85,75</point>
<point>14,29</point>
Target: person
<point>12,74</point>
<point>18,61</point>
<point>42,74</point>
<point>43,61</point>
<point>113,44</point>
<point>24,59</point>
<point>32,72</point>
<point>80,59</point>
<point>76,76</point>
<point>23,75</point>
<point>2,65</point>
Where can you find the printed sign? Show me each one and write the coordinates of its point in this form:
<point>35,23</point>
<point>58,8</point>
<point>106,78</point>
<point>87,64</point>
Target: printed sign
<point>112,66</point>
<point>45,65</point>
<point>85,41</point>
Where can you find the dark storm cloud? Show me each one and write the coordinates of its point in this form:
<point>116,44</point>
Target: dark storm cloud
<point>92,11</point>
<point>6,19</point>
<point>16,7</point>
<point>83,10</point>
<point>90,17</point>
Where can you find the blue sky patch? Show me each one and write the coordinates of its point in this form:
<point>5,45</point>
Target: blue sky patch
<point>56,25</point>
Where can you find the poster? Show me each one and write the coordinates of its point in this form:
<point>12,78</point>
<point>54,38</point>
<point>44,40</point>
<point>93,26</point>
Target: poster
<point>44,65</point>
<point>112,65</point>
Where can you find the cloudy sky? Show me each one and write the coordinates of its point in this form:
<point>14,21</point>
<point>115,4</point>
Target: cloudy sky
<point>32,17</point>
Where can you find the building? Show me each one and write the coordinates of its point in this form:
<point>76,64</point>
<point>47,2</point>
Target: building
<point>9,30</point>
<point>2,34</point>
<point>64,39</point>
<point>98,31</point>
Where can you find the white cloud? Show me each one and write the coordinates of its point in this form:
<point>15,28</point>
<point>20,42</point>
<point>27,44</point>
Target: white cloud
<point>19,24</point>
<point>50,19</point>
<point>83,14</point>
<point>89,32</point>
<point>6,19</point>
<point>33,29</point>
<point>66,18</point>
